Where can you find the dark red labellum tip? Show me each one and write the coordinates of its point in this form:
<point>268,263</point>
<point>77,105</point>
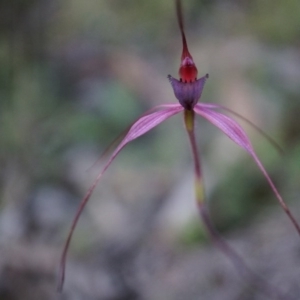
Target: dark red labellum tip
<point>188,93</point>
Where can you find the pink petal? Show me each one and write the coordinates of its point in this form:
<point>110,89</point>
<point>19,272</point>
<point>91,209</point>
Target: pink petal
<point>140,127</point>
<point>259,130</point>
<point>230,127</point>
<point>146,123</point>
<point>235,132</point>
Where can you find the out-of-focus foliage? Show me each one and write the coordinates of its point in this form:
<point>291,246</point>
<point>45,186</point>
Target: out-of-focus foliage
<point>73,75</point>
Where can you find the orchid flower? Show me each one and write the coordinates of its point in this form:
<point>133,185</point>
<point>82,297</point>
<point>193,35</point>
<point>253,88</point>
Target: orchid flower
<point>188,90</point>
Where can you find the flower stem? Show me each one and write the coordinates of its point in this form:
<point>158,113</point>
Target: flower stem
<point>259,282</point>
<point>189,117</point>
<point>218,241</point>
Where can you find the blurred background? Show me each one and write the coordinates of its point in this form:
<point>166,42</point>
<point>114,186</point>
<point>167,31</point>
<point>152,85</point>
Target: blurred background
<point>73,75</point>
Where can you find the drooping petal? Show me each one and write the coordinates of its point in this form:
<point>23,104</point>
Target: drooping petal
<point>140,127</point>
<point>120,137</point>
<point>230,127</point>
<point>235,132</point>
<point>259,130</point>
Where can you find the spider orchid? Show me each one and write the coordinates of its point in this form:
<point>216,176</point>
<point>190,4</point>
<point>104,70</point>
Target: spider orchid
<point>188,90</point>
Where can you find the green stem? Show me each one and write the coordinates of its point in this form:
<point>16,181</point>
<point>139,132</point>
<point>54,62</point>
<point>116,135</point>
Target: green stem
<point>189,117</point>
<point>220,243</point>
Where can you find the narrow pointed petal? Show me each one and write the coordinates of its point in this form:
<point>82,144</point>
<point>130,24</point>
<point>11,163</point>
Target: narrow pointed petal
<point>235,132</point>
<point>188,71</point>
<point>120,137</point>
<point>185,50</point>
<point>146,123</point>
<point>259,130</point>
<point>140,127</point>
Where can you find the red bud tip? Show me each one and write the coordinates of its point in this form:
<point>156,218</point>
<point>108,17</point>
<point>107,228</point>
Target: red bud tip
<point>188,71</point>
